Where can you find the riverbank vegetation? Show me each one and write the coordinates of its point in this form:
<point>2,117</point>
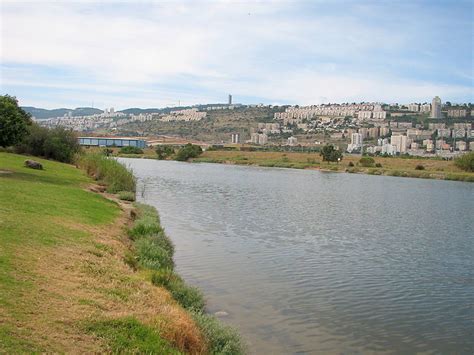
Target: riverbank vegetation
<point>152,251</point>
<point>107,171</point>
<point>391,166</point>
<point>67,276</point>
<point>64,284</point>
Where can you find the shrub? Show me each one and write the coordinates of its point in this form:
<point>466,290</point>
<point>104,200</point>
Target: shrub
<point>126,195</point>
<point>145,225</point>
<point>107,151</point>
<point>367,162</point>
<point>164,277</point>
<point>57,144</point>
<point>378,165</point>
<point>131,150</point>
<point>151,255</point>
<point>330,153</point>
<point>109,171</point>
<point>351,164</point>
<point>187,296</point>
<point>419,167</point>
<point>465,162</point>
<point>164,152</point>
<point>188,151</point>
<point>221,339</point>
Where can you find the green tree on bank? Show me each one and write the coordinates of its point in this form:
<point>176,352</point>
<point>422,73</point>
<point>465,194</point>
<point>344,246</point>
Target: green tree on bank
<point>14,121</point>
<point>188,151</point>
<point>329,153</point>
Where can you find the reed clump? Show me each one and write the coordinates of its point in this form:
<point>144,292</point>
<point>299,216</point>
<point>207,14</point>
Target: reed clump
<point>108,171</point>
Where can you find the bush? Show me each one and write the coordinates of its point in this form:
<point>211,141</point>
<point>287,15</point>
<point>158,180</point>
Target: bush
<point>378,165</point>
<point>188,151</point>
<point>57,144</point>
<point>465,162</point>
<point>187,296</point>
<point>143,226</point>
<point>221,339</point>
<point>367,162</point>
<point>126,195</point>
<point>351,164</point>
<point>151,255</point>
<point>419,167</point>
<point>109,171</point>
<point>164,152</point>
<point>131,150</point>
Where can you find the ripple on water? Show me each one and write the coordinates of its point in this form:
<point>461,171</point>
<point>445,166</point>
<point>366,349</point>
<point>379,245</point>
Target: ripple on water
<point>306,262</point>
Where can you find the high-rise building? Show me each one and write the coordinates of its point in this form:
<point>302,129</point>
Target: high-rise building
<point>230,99</point>
<point>400,142</point>
<point>235,138</point>
<point>436,107</point>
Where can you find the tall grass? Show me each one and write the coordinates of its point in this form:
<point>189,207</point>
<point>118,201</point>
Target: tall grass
<point>108,171</point>
<point>153,250</point>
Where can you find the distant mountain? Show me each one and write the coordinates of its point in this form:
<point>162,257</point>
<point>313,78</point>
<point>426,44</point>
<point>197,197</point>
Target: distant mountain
<point>41,113</point>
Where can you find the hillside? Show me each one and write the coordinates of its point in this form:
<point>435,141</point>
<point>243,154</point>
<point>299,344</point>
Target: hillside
<point>216,127</point>
<point>41,113</point>
<point>64,285</point>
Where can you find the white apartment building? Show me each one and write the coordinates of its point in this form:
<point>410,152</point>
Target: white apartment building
<point>400,143</point>
<point>414,107</point>
<point>356,142</point>
<point>379,115</point>
<point>364,115</point>
<point>235,137</point>
<point>425,108</point>
<point>292,141</point>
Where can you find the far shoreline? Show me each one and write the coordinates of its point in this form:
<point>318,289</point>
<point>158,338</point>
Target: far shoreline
<point>422,168</point>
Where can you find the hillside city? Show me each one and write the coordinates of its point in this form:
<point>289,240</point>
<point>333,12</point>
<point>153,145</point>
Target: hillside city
<point>418,129</point>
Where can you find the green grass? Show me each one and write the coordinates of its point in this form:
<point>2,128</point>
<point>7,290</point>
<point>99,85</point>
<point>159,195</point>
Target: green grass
<point>39,209</point>
<point>223,340</point>
<point>128,335</point>
<point>108,171</point>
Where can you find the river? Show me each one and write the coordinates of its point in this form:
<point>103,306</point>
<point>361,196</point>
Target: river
<point>309,262</point>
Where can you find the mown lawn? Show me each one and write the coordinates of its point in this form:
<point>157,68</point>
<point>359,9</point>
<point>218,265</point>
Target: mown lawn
<point>61,268</point>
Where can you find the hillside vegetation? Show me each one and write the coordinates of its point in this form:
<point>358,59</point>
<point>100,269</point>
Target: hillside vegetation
<point>216,127</point>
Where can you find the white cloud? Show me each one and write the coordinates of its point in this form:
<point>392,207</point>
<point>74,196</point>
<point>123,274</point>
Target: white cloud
<point>154,53</point>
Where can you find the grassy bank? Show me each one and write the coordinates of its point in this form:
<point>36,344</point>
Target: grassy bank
<point>80,271</point>
<point>395,166</point>
<point>64,283</point>
<point>152,253</point>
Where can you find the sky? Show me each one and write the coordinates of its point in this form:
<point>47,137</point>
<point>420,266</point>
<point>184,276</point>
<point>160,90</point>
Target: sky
<point>157,54</point>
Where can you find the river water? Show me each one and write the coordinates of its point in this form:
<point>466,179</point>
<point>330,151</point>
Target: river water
<point>311,262</point>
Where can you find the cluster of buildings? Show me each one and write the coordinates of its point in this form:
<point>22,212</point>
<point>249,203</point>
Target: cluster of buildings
<point>192,114</point>
<point>404,139</point>
<point>296,114</point>
<point>109,119</point>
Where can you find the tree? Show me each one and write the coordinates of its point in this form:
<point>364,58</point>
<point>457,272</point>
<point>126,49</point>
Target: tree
<point>329,153</point>
<point>13,121</point>
<point>164,152</point>
<point>188,151</point>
